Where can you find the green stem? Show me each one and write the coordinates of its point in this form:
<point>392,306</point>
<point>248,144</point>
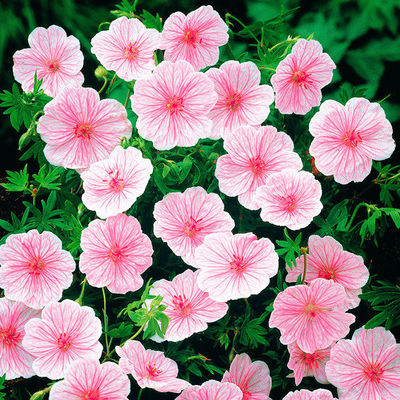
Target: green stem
<point>354,214</point>
<point>304,252</point>
<point>233,345</point>
<point>140,394</point>
<point>127,97</point>
<point>111,83</point>
<point>105,322</point>
<point>108,355</point>
<point>280,43</point>
<point>104,85</point>
<point>79,299</point>
<point>244,26</point>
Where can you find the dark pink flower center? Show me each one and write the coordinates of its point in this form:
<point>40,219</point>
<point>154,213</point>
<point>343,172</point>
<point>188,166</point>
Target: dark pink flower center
<point>83,131</point>
<point>374,372</point>
<point>312,310</point>
<point>289,202</point>
<point>131,51</point>
<point>300,78</point>
<point>326,274</point>
<point>10,336</point>
<point>257,165</point>
<point>53,66</point>
<point>312,360</point>
<point>64,342</point>
<point>174,104</point>
<point>36,266</point>
<point>116,183</point>
<point>181,304</point>
<point>352,138</point>
<point>238,264</point>
<point>233,101</point>
<point>191,37</point>
<point>92,395</point>
<point>152,370</point>
<point>115,253</point>
<point>191,227</point>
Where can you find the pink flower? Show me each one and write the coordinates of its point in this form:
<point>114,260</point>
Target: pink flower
<point>327,259</point>
<point>367,366</point>
<point>253,379</point>
<point>115,253</point>
<point>66,332</point>
<point>312,315</point>
<point>183,220</point>
<point>127,48</point>
<point>319,394</point>
<point>253,155</point>
<point>212,390</point>
<point>80,129</point>
<point>15,360</point>
<point>112,186</point>
<point>173,105</point>
<point>189,309</point>
<point>235,266</point>
<point>241,98</point>
<point>195,38</point>
<point>54,56</point>
<point>308,364</point>
<point>34,268</point>
<point>300,77</point>
<point>88,379</point>
<point>150,368</point>
<point>290,198</point>
<point>347,138</point>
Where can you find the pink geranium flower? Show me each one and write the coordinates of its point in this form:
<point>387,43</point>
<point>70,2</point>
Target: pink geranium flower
<point>300,77</point>
<point>80,129</point>
<point>312,315</point>
<point>183,220</point>
<point>54,56</point>
<point>241,98</point>
<point>115,253</point>
<point>304,394</point>
<point>308,364</point>
<point>127,48</point>
<point>347,138</point>
<point>290,198</point>
<point>15,360</point>
<point>112,186</point>
<point>66,332</point>
<point>189,309</point>
<point>367,366</point>
<point>252,378</point>
<point>235,266</point>
<point>34,268</point>
<point>195,38</point>
<point>327,259</point>
<point>173,105</point>
<point>212,390</point>
<point>150,368</point>
<point>253,155</point>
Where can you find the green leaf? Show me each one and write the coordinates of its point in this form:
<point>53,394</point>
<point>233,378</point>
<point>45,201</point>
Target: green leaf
<point>47,177</point>
<point>18,181</point>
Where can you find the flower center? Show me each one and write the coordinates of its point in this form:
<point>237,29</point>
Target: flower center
<point>174,104</point>
<point>115,253</point>
<point>326,274</point>
<point>312,360</point>
<point>53,66</point>
<point>9,336</point>
<point>191,227</point>
<point>64,342</point>
<point>152,370</point>
<point>237,264</point>
<point>191,38</point>
<point>352,139</point>
<point>374,372</point>
<point>312,310</point>
<point>300,78</point>
<point>83,131</point>
<point>257,165</point>
<point>92,395</point>
<point>181,303</point>
<point>289,202</point>
<point>131,51</point>
<point>233,101</point>
<point>116,183</point>
<point>36,266</point>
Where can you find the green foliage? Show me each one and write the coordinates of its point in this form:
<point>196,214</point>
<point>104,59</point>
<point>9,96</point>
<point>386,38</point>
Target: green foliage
<point>18,181</point>
<point>2,380</point>
<point>252,332</point>
<point>289,248</point>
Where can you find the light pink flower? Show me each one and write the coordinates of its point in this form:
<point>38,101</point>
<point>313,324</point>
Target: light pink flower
<point>15,361</point>
<point>173,105</point>
<point>252,378</point>
<point>304,394</point>
<point>212,390</point>
<point>54,56</point>
<point>367,366</point>
<point>300,77</point>
<point>115,253</point>
<point>347,138</point>
<point>195,37</point>
<point>111,186</point>
<point>189,309</point>
<point>327,259</point>
<point>290,198</point>
<point>127,48</point>
<point>80,129</point>
<point>66,332</point>
<point>34,268</point>
<point>150,368</point>
<point>235,266</point>
<point>308,364</point>
<point>253,155</point>
<point>312,315</point>
<point>241,98</point>
<point>183,220</point>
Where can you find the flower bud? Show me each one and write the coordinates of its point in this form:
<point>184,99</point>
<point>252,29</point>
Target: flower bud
<point>100,72</point>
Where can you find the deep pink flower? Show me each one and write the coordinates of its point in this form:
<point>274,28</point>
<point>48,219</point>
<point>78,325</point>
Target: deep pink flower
<point>253,155</point>
<point>127,48</point>
<point>327,259</point>
<point>367,366</point>
<point>300,77</point>
<point>290,198</point>
<point>183,220</point>
<point>90,380</point>
<point>212,390</point>
<point>304,394</point>
<point>312,315</point>
<point>34,268</point>
<point>111,186</point>
<point>150,368</point>
<point>252,378</point>
<point>80,129</point>
<point>66,332</point>
<point>347,138</point>
<point>241,98</point>
<point>15,361</point>
<point>189,309</point>
<point>54,56</point>
<point>173,105</point>
<point>115,253</point>
<point>195,37</point>
<point>235,266</point>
